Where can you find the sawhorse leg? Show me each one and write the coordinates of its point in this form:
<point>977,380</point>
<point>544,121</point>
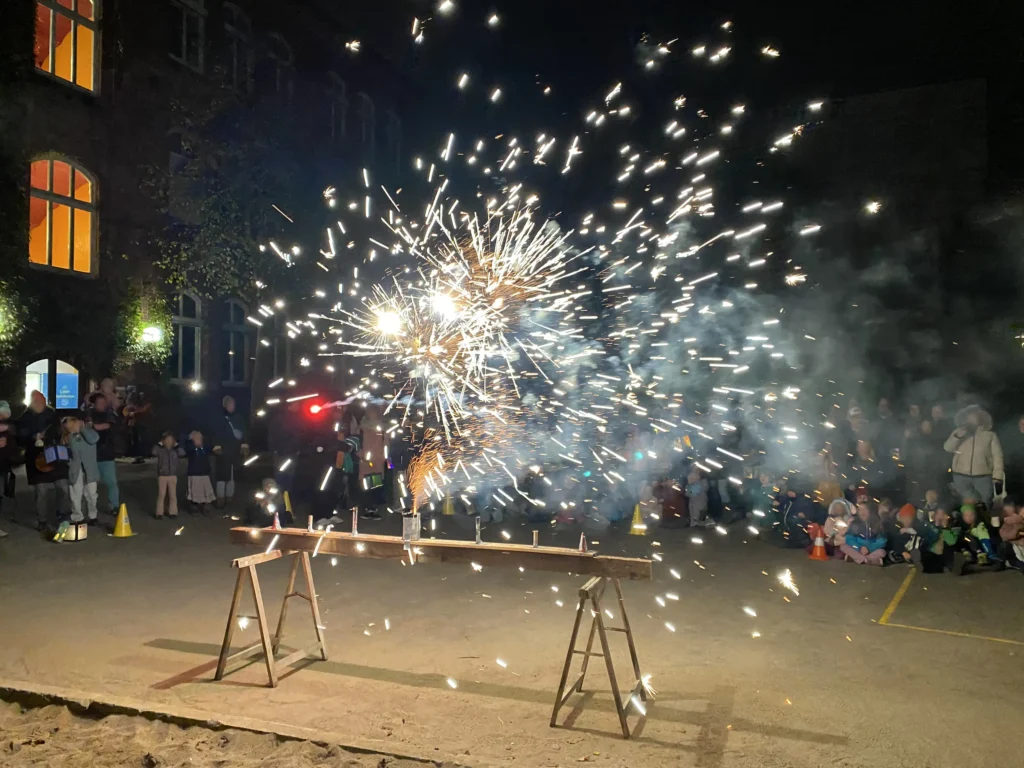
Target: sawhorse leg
<point>270,644</point>
<point>591,593</point>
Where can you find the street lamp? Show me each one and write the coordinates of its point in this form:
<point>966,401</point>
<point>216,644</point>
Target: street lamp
<point>152,334</point>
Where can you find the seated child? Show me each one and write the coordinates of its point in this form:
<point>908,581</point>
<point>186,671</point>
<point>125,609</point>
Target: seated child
<point>938,543</point>
<point>865,539</point>
<point>975,541</point>
<point>902,535</point>
<point>931,503</point>
<point>840,515</point>
<point>1012,535</point>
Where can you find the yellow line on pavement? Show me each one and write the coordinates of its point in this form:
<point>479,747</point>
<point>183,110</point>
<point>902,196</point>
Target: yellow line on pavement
<point>956,634</point>
<point>890,609</point>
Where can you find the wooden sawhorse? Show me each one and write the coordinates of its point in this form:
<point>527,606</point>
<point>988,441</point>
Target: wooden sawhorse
<point>269,644</point>
<point>593,592</point>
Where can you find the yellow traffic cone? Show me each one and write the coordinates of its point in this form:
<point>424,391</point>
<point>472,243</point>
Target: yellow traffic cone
<point>122,528</point>
<point>639,527</point>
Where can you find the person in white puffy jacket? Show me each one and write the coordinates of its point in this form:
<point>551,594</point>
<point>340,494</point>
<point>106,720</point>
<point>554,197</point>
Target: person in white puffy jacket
<point>977,464</point>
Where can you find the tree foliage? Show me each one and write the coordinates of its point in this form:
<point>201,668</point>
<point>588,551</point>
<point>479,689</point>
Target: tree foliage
<point>231,181</point>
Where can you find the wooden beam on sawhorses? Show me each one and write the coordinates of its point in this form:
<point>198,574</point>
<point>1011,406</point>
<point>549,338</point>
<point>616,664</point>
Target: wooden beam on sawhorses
<point>593,592</point>
<point>270,644</point>
<point>558,559</point>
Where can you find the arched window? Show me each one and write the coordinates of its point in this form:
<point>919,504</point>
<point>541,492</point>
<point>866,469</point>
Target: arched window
<point>186,350</point>
<point>235,344</point>
<point>187,32</point>
<point>240,56</point>
<point>62,216</point>
<point>339,107</point>
<point>67,40</point>
<point>394,139</point>
<point>56,379</point>
<point>366,123</point>
<point>282,60</point>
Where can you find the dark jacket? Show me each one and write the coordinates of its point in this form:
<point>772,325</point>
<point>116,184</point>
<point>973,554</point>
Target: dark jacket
<point>198,459</point>
<point>9,453</point>
<point>30,424</point>
<point>167,460</point>
<point>230,443</point>
<point>105,447</point>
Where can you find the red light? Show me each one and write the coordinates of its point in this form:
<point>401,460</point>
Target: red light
<point>315,409</point>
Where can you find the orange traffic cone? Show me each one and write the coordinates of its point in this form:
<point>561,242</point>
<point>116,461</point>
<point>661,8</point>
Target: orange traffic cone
<point>818,550</point>
<point>638,527</point>
<point>122,528</point>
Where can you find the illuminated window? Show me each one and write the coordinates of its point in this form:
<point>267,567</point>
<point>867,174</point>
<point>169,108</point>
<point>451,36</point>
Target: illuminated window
<point>240,55</point>
<point>366,123</point>
<point>67,38</point>
<point>394,138</point>
<point>56,379</point>
<point>282,64</point>
<point>62,216</point>
<point>187,33</point>
<point>185,362</point>
<point>339,107</point>
<point>235,344</point>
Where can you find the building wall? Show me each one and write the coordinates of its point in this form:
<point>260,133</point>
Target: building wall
<point>123,130</point>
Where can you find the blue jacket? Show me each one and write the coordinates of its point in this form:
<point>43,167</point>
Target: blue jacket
<point>83,455</point>
<point>869,535</point>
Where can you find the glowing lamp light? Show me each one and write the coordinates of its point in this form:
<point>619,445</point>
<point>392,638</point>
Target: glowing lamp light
<point>152,334</point>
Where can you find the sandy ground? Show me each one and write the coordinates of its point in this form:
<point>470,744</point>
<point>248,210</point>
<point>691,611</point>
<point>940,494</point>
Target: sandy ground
<point>53,736</point>
<point>824,684</point>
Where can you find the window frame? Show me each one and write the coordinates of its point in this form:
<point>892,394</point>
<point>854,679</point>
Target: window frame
<point>394,137</point>
<point>195,324</point>
<point>367,122</point>
<point>228,330</point>
<point>282,65</point>
<point>240,47</point>
<point>94,24</point>
<point>73,203</point>
<point>338,93</point>
<point>198,9</point>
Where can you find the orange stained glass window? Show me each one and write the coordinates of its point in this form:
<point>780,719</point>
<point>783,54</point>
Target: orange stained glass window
<point>62,229</point>
<point>66,43</point>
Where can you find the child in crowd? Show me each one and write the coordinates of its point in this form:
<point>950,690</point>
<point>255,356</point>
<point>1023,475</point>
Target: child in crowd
<point>1011,533</point>
<point>200,489</point>
<point>83,472</point>
<point>763,502</point>
<point>268,502</point>
<point>865,539</point>
<point>931,503</point>
<point>167,453</point>
<point>938,543</point>
<point>902,538</point>
<point>840,515</point>
<point>886,512</point>
<point>975,541</point>
<point>697,499</point>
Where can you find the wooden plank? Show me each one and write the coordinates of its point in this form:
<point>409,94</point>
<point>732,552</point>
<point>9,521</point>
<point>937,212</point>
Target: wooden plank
<point>262,557</point>
<point>446,551</point>
<point>261,616</point>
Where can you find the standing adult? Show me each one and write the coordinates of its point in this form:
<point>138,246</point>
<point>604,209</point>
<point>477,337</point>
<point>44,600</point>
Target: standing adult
<point>924,461</point>
<point>39,429</point>
<point>230,448</point>
<point>977,456</point>
<point>1013,448</point>
<point>103,420</point>
<point>940,424</point>
<point>371,462</point>
<point>136,412</point>
<point>8,452</point>
<point>83,472</point>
